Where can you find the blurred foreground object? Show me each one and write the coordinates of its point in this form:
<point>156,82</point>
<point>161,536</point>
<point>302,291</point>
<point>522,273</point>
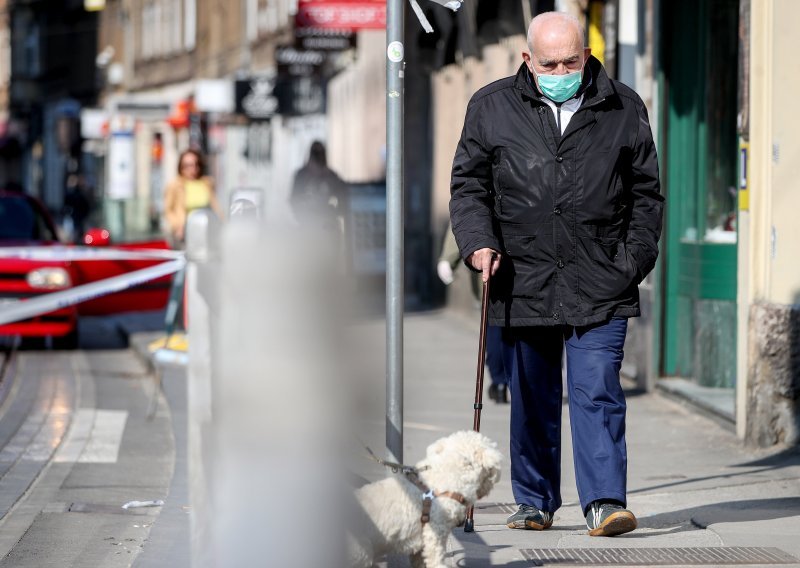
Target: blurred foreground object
<point>264,390</point>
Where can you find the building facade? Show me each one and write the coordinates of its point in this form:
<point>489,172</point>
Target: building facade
<point>177,72</point>
<point>9,145</point>
<point>52,77</point>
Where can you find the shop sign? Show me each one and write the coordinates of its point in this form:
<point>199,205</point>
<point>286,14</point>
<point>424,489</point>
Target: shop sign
<point>299,62</point>
<point>744,175</point>
<point>324,40</point>
<point>341,15</point>
<point>214,95</point>
<point>121,159</point>
<point>300,95</point>
<point>255,99</point>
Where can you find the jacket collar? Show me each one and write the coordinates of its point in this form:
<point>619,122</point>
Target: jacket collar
<point>595,87</point>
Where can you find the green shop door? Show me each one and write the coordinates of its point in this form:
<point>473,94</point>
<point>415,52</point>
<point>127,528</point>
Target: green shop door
<point>700,80</point>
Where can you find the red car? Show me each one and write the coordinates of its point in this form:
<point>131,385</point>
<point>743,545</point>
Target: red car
<point>24,222</point>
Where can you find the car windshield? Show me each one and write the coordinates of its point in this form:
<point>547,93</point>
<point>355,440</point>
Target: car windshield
<point>21,221</point>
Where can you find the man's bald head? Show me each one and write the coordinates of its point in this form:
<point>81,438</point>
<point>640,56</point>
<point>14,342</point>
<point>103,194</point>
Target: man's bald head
<point>555,40</point>
<point>555,23</point>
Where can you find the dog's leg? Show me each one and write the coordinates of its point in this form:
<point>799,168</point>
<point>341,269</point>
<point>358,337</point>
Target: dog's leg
<point>434,545</point>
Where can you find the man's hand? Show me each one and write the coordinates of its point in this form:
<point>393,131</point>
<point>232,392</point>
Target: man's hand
<point>486,260</point>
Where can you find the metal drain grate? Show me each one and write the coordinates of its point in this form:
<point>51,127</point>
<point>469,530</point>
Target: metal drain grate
<point>714,556</point>
<point>496,508</point>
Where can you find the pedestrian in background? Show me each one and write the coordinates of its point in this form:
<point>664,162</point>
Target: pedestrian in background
<point>76,209</point>
<point>555,193</point>
<point>449,260</point>
<point>318,194</point>
<point>191,189</point>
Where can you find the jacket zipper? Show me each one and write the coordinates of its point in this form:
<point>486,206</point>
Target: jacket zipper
<point>558,119</point>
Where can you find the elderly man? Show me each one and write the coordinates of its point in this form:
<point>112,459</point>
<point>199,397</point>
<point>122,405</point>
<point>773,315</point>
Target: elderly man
<point>555,194</point>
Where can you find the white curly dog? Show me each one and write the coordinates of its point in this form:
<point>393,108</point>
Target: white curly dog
<point>457,470</point>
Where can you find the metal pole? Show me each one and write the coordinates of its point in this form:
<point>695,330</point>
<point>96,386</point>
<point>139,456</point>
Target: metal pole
<point>395,53</point>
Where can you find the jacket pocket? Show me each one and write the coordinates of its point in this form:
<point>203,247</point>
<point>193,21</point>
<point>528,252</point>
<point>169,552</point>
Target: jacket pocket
<point>522,272</point>
<point>608,270</point>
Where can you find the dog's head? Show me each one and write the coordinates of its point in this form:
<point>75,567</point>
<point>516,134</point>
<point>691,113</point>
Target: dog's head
<point>467,462</point>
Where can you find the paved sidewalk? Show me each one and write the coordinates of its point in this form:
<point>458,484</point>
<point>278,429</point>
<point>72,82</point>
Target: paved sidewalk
<point>691,482</point>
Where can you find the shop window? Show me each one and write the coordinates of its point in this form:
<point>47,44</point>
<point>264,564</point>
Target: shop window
<point>699,252</point>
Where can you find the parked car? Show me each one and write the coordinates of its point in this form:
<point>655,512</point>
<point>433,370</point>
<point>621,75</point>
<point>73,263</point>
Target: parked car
<point>25,222</point>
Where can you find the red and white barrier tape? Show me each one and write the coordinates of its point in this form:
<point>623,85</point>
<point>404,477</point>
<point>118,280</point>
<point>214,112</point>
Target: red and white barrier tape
<point>16,310</point>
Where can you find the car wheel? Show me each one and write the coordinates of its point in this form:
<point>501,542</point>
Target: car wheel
<point>68,341</point>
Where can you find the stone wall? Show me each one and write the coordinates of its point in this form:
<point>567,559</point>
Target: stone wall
<point>773,393</point>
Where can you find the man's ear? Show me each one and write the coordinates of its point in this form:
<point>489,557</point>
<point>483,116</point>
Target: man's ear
<point>587,52</point>
<point>526,57</point>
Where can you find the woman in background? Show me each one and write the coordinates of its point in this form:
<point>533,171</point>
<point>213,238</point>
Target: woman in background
<point>190,190</point>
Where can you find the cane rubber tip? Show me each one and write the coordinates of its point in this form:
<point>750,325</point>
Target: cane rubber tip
<point>469,525</point>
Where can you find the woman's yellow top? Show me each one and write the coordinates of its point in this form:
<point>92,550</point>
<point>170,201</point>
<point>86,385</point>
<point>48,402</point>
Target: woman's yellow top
<point>197,194</point>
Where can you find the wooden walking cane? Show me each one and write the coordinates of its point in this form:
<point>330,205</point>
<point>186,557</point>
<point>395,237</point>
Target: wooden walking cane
<point>469,524</point>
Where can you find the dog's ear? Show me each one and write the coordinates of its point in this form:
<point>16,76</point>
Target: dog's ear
<point>489,457</point>
<point>436,448</point>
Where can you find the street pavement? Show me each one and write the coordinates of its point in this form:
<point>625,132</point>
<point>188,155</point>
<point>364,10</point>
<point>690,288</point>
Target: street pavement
<point>691,482</point>
<point>77,444</point>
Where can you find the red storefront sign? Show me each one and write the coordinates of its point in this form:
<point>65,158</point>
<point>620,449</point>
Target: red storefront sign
<point>341,14</point>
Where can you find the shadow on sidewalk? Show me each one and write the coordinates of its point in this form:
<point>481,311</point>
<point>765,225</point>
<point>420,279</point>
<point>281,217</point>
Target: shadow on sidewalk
<point>701,517</point>
<point>786,458</point>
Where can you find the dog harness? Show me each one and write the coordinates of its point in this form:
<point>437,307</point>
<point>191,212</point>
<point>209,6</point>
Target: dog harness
<point>428,495</point>
<point>411,473</point>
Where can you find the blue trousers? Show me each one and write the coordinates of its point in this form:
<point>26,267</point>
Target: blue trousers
<point>495,358</point>
<point>596,407</point>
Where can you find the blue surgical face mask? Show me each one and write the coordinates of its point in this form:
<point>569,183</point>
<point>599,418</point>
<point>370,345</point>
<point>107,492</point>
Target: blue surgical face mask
<point>559,88</point>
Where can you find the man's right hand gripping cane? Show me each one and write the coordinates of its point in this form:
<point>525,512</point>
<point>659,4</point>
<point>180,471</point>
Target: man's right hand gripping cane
<point>485,260</point>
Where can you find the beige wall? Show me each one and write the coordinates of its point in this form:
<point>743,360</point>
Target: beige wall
<point>221,41</point>
<point>774,230</point>
<point>769,231</point>
<point>357,113</point>
<point>784,284</point>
